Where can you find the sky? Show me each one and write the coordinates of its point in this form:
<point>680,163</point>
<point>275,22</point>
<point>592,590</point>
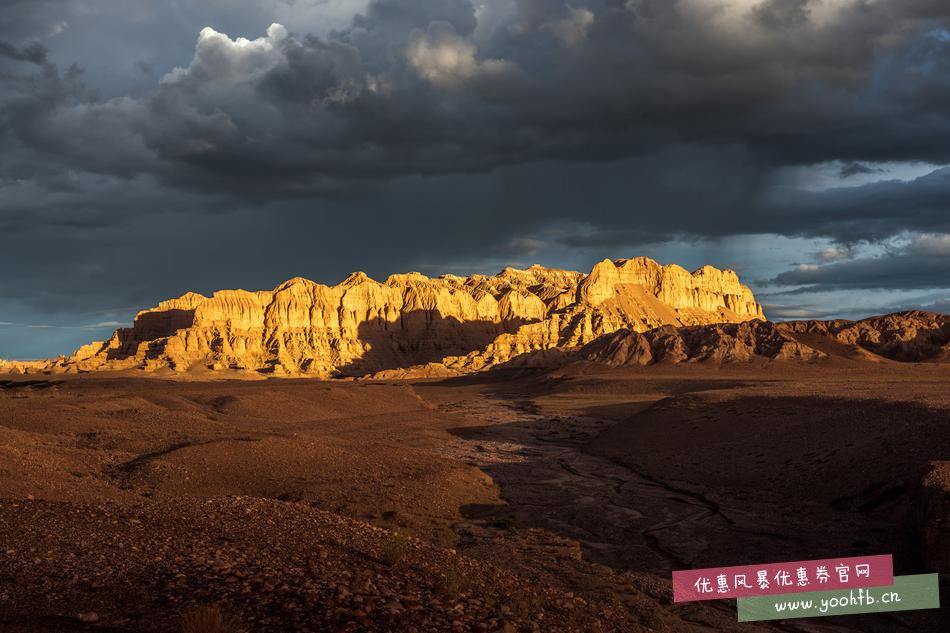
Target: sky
<point>154,147</point>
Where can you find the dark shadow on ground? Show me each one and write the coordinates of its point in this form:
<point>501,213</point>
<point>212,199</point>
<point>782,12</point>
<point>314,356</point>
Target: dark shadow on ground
<point>711,478</point>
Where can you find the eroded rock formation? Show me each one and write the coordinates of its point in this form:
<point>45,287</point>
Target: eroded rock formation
<point>362,326</point>
<point>905,336</point>
<point>27,366</point>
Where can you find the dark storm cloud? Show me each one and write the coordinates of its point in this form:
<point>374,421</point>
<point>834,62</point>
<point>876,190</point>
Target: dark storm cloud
<point>870,212</point>
<point>144,67</point>
<point>419,87</point>
<point>779,14</point>
<point>702,192</point>
<point>397,18</point>
<point>620,237</point>
<point>29,19</point>
<point>923,263</point>
<point>427,130</point>
<point>34,53</point>
<point>874,304</point>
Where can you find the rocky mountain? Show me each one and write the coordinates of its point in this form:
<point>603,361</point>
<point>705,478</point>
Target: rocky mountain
<point>905,336</point>
<point>451,323</point>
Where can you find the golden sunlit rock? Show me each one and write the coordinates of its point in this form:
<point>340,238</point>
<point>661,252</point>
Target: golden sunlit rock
<point>362,326</point>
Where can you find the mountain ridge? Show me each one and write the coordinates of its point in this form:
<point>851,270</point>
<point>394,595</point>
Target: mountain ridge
<point>361,326</point>
<point>910,336</point>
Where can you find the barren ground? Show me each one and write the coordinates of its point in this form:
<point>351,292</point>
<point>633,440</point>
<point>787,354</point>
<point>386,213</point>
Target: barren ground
<point>539,502</point>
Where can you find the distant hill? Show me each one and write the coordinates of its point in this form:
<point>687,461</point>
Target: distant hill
<point>905,336</point>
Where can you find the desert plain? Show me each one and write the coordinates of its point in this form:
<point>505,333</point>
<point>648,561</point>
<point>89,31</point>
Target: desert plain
<point>528,500</point>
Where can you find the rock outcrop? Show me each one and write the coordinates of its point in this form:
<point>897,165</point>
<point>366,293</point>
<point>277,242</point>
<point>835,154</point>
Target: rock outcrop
<point>28,366</point>
<point>450,323</point>
<point>905,336</point>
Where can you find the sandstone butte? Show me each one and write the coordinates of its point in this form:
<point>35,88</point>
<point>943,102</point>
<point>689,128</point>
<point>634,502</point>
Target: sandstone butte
<point>449,324</point>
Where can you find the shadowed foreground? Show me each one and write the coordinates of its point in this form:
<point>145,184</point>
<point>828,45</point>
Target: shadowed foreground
<point>556,501</point>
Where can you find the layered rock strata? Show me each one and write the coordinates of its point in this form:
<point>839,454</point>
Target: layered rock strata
<point>361,326</point>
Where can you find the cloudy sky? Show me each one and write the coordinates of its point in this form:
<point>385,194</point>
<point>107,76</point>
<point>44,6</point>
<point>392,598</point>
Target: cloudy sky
<point>150,147</point>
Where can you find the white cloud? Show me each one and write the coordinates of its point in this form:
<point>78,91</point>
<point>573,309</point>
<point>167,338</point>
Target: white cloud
<point>834,253</point>
<point>220,59</point>
<point>447,59</point>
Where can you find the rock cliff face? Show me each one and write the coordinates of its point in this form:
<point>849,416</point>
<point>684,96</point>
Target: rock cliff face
<point>905,336</point>
<point>361,326</point>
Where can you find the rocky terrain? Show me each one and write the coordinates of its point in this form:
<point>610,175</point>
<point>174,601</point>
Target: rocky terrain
<point>553,501</point>
<point>130,505</point>
<point>676,467</point>
<point>362,326</point>
<point>906,337</point>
